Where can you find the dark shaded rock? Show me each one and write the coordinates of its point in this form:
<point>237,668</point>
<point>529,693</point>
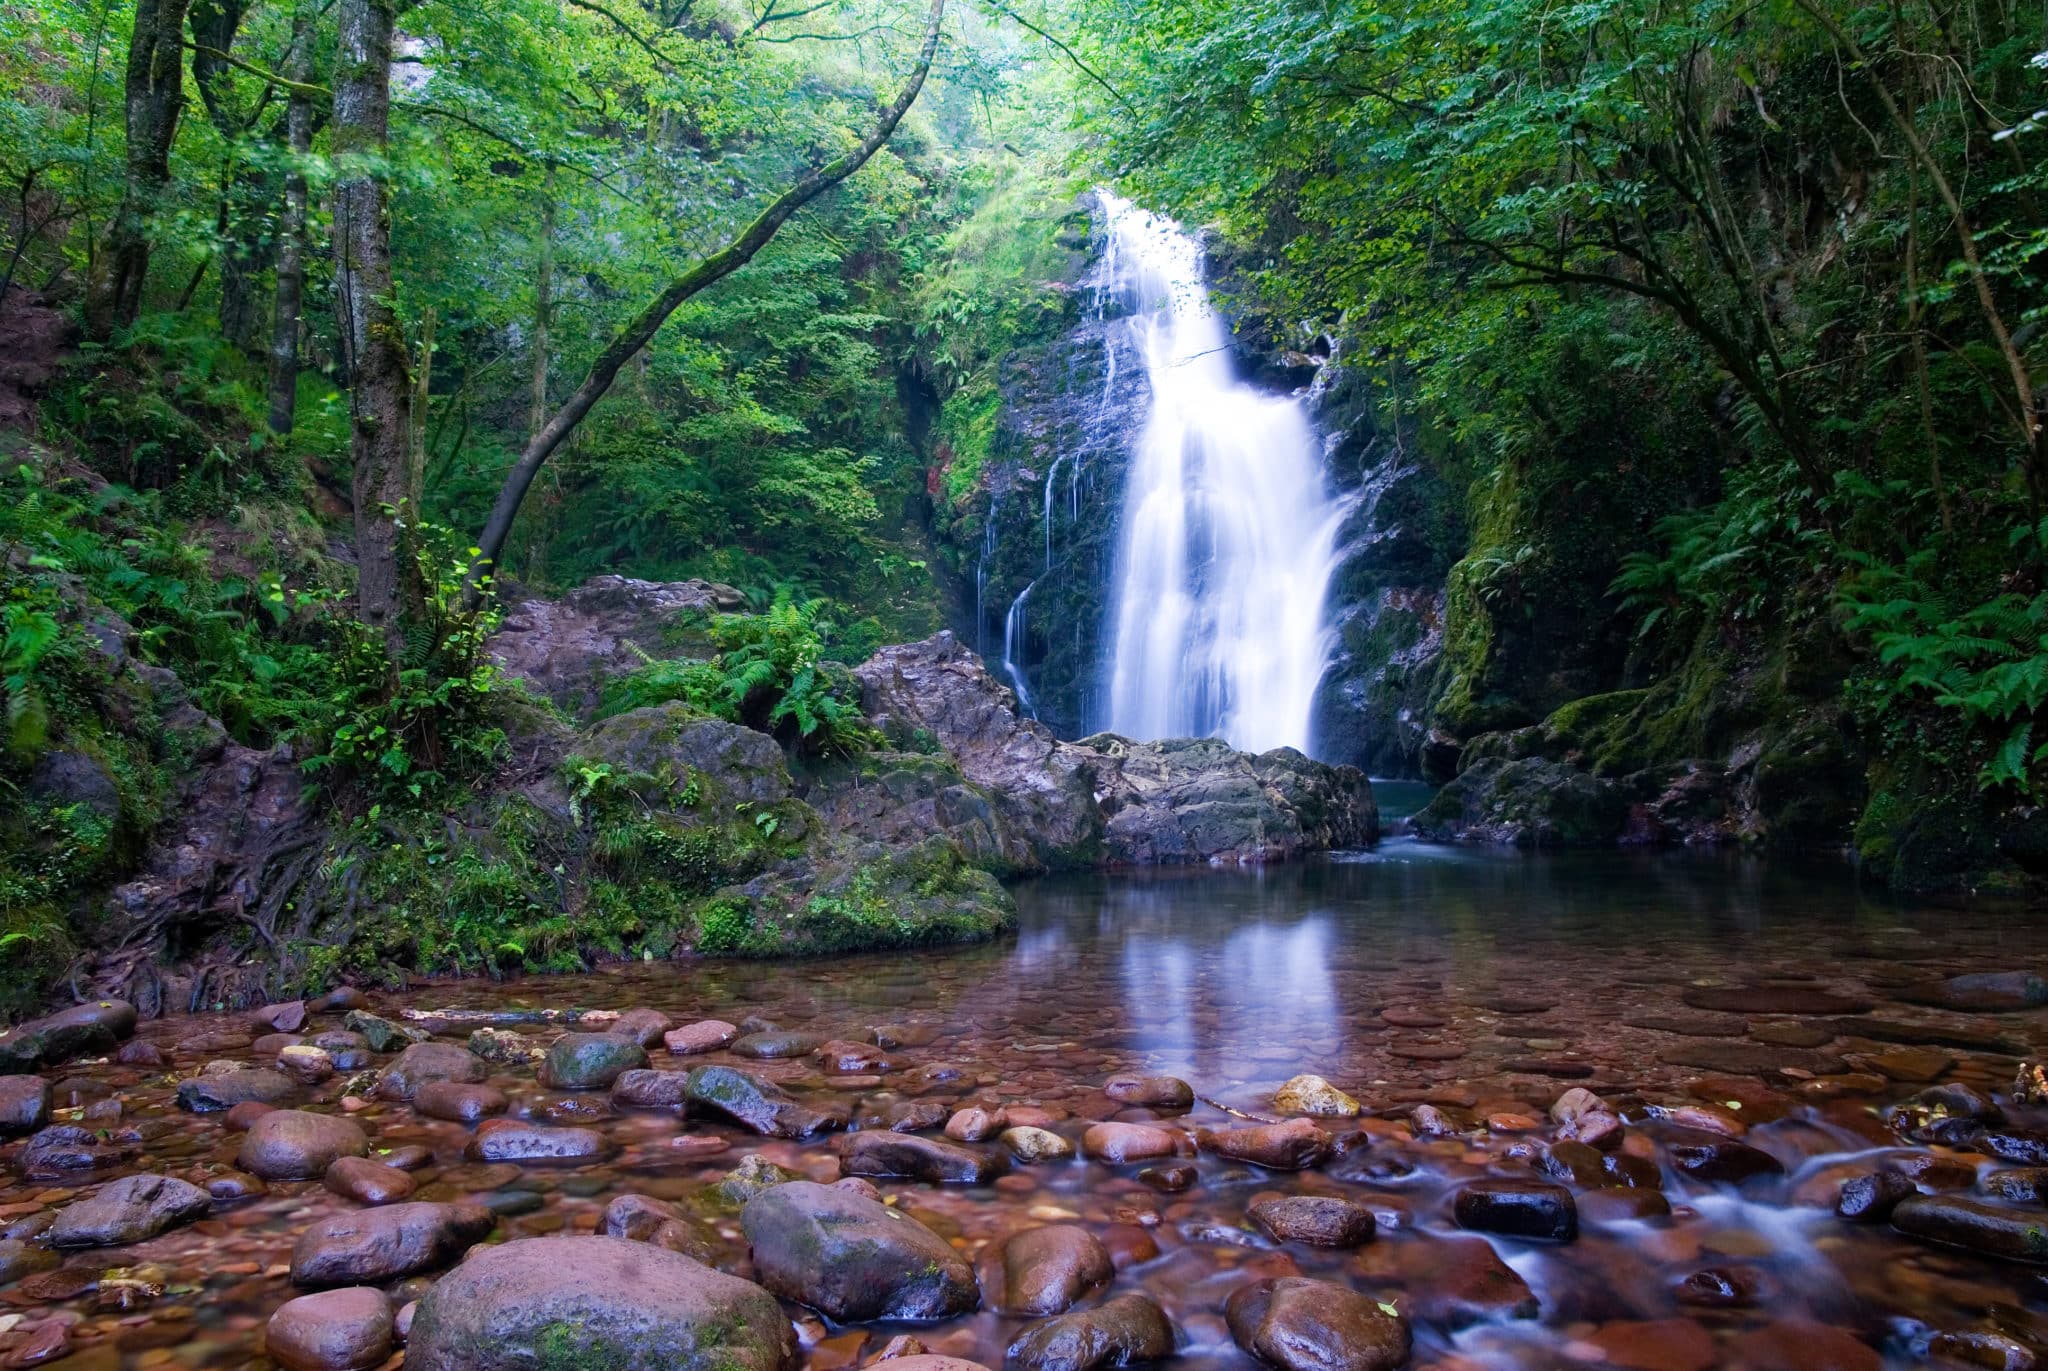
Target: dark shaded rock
<point>370,1246</point>
<point>1791,1033</point>
<point>2015,1235</point>
<point>1692,1025</point>
<point>132,1209</point>
<point>1750,1059</point>
<point>910,1157</point>
<point>774,1045</point>
<point>1706,1157</point>
<point>1518,1209</point>
<point>1292,1146</point>
<point>1152,1092</point>
<point>430,1061</point>
<point>590,1061</point>
<point>63,1149</point>
<point>1043,1271</point>
<point>1870,1198</point>
<point>1168,1180</point>
<point>1118,1332</point>
<point>381,1034</point>
<point>24,1105</point>
<point>2019,1146</point>
<point>1618,1204</point>
<point>334,1330</point>
<point>368,1182</point>
<point>458,1101</point>
<point>1771,999</point>
<point>753,1103</point>
<point>1719,1287</point>
<point>515,1140</point>
<point>294,1145</point>
<point>2026,1185</point>
<point>19,1258</point>
<point>1317,1220</point>
<point>853,1259</point>
<point>1802,1345</point>
<point>288,1017</point>
<point>1450,1282</point>
<point>210,1094</point>
<point>1309,1325</point>
<point>1991,992</point>
<point>571,1302</point>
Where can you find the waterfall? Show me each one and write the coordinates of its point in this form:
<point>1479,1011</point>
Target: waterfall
<point>1228,534</point>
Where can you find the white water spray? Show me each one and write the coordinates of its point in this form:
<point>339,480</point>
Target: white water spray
<point>1229,528</point>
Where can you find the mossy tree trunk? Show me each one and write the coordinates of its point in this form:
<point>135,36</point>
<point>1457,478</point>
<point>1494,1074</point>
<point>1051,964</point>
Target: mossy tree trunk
<point>155,100</point>
<point>291,230</point>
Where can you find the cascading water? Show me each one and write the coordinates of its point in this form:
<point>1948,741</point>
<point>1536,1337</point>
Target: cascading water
<point>1229,527</point>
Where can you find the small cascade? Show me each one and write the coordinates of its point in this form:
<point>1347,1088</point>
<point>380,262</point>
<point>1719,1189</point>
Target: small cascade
<point>1014,625</point>
<point>1228,537</point>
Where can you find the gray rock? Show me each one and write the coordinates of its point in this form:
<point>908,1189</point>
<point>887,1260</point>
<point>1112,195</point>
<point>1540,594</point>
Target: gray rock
<point>753,1103</point>
<point>371,1246</point>
<point>294,1145</point>
<point>852,1259</point>
<point>334,1330</point>
<point>590,1061</point>
<point>382,1034</point>
<point>567,648</point>
<point>211,1094</point>
<point>24,1105</point>
<point>1118,1332</point>
<point>132,1209</point>
<point>430,1061</point>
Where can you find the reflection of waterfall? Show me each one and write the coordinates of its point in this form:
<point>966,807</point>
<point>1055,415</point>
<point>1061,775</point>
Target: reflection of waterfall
<point>1229,525</point>
<point>1267,985</point>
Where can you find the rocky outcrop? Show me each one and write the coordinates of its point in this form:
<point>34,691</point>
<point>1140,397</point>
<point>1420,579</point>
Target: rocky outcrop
<point>567,649</point>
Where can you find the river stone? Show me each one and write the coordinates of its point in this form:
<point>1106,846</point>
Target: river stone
<point>563,1302</point>
<point>1121,1143</point>
<point>506,1048</point>
<point>1309,1325</point>
<point>753,1103</point>
<point>294,1145</point>
<point>1751,1059</point>
<point>99,1026</point>
<point>515,1140</point>
<point>643,1218</point>
<point>459,1101</point>
<point>589,1061</point>
<point>753,1176</point>
<point>906,1156</point>
<point>368,1182</point>
<point>1314,1096</point>
<point>1043,1271</point>
<point>1151,1092</point>
<point>773,1045</point>
<point>334,1330</point>
<point>24,1105</point>
<point>423,1062</point>
<point>1316,1220</point>
<point>694,1039</point>
<point>1518,1209</point>
<point>19,1258</point>
<point>2025,1185</point>
<point>1292,1146</point>
<point>1453,1282</point>
<point>974,1124</point>
<point>1706,1157</point>
<point>132,1209</point>
<point>288,1016</point>
<point>1871,1197</point>
<point>1771,999</point>
<point>646,1088</point>
<point>643,1026</point>
<point>1991,992</point>
<point>370,1246</point>
<point>381,1034</point>
<point>1118,1332</point>
<point>852,1259</point>
<point>1692,1025</point>
<point>2017,1235</point>
<point>1033,1145</point>
<point>63,1148</point>
<point>205,1094</point>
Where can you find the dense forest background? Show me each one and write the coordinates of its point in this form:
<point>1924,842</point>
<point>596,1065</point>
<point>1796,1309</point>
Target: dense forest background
<point>1712,332</point>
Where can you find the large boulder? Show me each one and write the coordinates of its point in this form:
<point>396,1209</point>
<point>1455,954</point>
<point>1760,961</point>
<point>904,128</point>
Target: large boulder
<point>853,1259</point>
<point>1199,800</point>
<point>296,1145</point>
<point>752,1103</point>
<point>372,1246</point>
<point>1309,1325</point>
<point>132,1209</point>
<point>568,648</point>
<point>553,1304</point>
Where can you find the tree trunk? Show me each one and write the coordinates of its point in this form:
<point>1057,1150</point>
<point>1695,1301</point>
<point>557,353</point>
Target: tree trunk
<point>155,99</point>
<point>380,391</point>
<point>543,308</point>
<point>640,330</point>
<point>423,385</point>
<point>291,232</point>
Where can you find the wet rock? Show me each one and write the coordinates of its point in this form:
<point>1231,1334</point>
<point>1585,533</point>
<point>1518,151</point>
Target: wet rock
<point>754,1175</point>
<point>2020,1146</point>
<point>287,1017</point>
<point>1751,1059</point>
<point>334,1330</point>
<point>1034,1145</point>
<point>97,1027</point>
<point>974,1125</point>
<point>1994,992</point>
<point>339,1000</point>
<point>1771,999</point>
<point>1574,1104</point>
<point>1518,1209</point>
<point>1292,1146</point>
<point>2023,1185</point>
<point>1118,1332</point>
<point>1314,1096</point>
<point>370,1246</point>
<point>643,1218</point>
<point>753,1103</point>
<point>1791,1033</point>
<point>853,1059</point>
<point>1718,1287</point>
<point>1915,1065</point>
<point>51,1341</point>
<point>137,1052</point>
<point>694,1039</point>
<point>852,1259</point>
<point>1705,1157</point>
<point>1619,1204</point>
<point>430,1061</point>
<point>2015,1235</point>
<point>646,1088</point>
<point>410,1157</point>
<point>775,1045</point>
<point>294,1145</point>
<point>24,1105</point>
<point>643,1026</point>
<point>923,1361</point>
<point>211,1094</point>
<point>589,1061</point>
<point>1986,1348</point>
<point>306,1064</point>
<point>1573,1162</point>
<point>913,1158</point>
<point>1450,1282</point>
<point>903,1116</point>
<point>19,1258</point>
<point>595,1302</point>
<point>1691,1025</point>
<point>1309,1325</point>
<point>1151,1092</point>
<point>1316,1220</point>
<point>1802,1345</point>
<point>1168,1180</point>
<point>132,1209</point>
<point>458,1101</point>
<point>63,1149</point>
<point>382,1034</point>
<point>1871,1197</point>
<point>1042,1271</point>
<point>1131,1142</point>
<point>1656,1345</point>
<point>514,1140</point>
<point>368,1182</point>
<point>505,1047</point>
